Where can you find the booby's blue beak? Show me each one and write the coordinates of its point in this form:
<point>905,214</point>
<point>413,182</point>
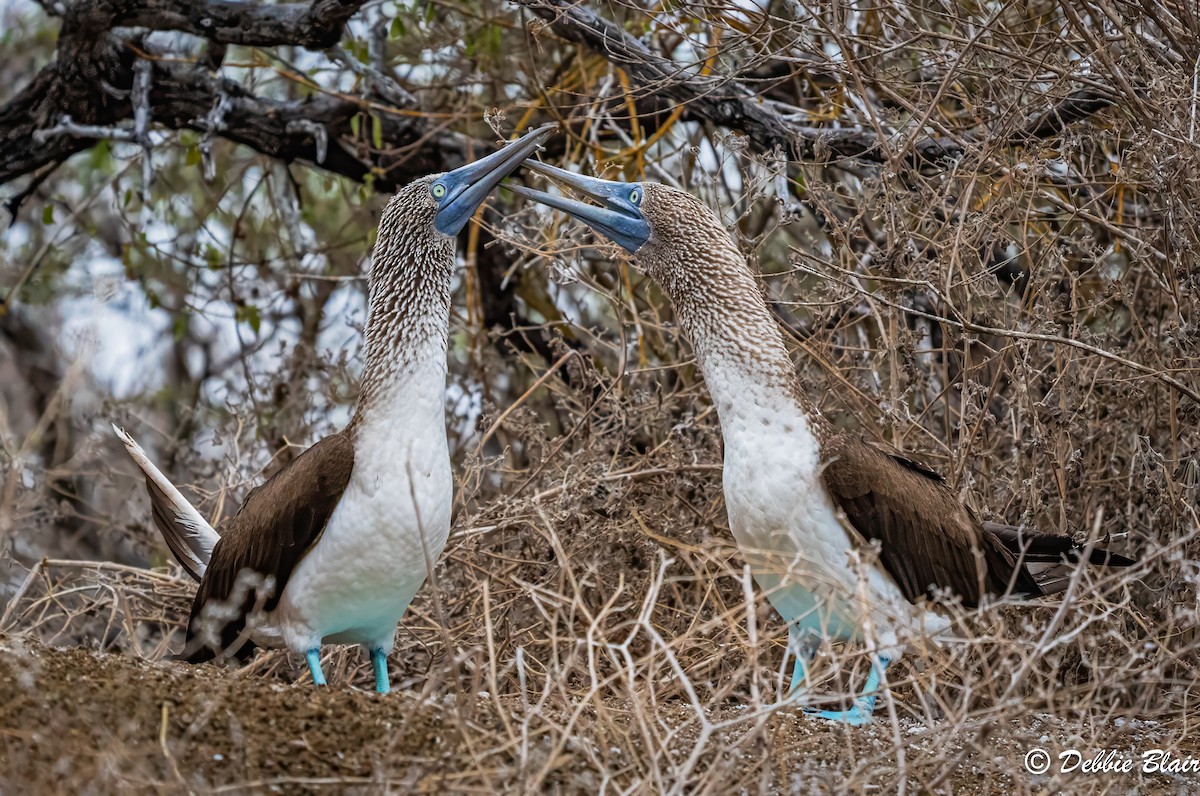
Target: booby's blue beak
<point>459,193</point>
<point>620,219</point>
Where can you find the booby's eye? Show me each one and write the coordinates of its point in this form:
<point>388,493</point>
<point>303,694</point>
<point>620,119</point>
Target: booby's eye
<point>635,196</point>
<point>438,190</point>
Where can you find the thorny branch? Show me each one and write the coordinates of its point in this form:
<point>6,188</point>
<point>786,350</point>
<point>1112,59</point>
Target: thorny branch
<point>735,105</point>
<point>960,321</point>
<point>91,51</point>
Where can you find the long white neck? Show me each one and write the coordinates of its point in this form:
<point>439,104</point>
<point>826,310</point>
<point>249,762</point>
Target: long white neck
<point>780,511</point>
<point>737,342</point>
<point>404,379</point>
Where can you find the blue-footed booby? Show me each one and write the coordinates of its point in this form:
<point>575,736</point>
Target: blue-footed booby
<point>333,547</point>
<point>805,502</point>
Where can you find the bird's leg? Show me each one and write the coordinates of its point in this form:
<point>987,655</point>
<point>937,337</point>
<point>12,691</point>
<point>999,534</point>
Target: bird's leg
<point>864,706</point>
<point>802,645</point>
<point>313,657</point>
<point>379,664</point>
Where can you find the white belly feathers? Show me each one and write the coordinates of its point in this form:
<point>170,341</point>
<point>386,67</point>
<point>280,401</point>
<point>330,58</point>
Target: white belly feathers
<point>388,530</point>
<point>791,535</point>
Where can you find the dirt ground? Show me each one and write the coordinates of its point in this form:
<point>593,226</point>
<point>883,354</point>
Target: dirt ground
<point>596,633</point>
<point>72,721</point>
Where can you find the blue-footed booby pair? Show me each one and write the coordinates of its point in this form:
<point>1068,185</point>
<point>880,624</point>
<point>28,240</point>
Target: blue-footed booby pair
<point>333,547</point>
<point>804,501</point>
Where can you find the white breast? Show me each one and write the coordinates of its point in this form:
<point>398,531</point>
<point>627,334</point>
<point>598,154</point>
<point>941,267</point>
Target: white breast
<point>389,528</point>
<point>785,522</point>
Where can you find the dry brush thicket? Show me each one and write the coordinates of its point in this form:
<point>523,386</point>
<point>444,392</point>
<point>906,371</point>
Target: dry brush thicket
<point>979,224</point>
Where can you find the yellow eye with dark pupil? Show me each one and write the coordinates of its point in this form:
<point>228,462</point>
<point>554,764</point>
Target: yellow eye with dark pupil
<point>438,191</point>
<point>634,196</point>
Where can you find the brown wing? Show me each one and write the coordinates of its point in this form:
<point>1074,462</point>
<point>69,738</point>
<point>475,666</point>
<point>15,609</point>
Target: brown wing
<point>278,523</point>
<point>1050,559</point>
<point>928,539</point>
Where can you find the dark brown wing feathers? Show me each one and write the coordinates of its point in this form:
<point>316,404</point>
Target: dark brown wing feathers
<point>1050,558</point>
<point>929,540</point>
<point>276,526</point>
<point>1038,546</point>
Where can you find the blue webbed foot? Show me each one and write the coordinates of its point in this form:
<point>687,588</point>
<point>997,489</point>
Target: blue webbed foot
<point>856,716</point>
<point>379,664</point>
<point>313,657</point>
<point>864,706</point>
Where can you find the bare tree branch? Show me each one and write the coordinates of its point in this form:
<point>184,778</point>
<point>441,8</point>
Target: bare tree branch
<point>733,104</point>
<point>55,117</point>
<point>66,87</point>
<point>721,100</point>
<point>315,25</point>
<point>1075,107</point>
<point>60,112</point>
<point>181,98</point>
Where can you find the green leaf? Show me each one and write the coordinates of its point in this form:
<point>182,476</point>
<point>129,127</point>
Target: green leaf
<point>248,313</point>
<point>212,256</point>
<point>485,42</point>
<point>193,156</point>
<point>367,188</point>
<point>376,132</point>
<point>101,154</point>
<point>48,214</point>
<point>495,42</point>
<point>355,124</point>
<point>397,29</point>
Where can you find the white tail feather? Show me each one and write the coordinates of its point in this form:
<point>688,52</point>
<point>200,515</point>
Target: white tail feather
<point>189,535</point>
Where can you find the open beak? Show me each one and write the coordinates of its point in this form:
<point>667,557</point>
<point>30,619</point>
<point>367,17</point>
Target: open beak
<point>468,186</point>
<point>620,219</point>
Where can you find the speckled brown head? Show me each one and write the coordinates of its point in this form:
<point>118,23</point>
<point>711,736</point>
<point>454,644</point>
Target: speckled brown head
<point>672,236</point>
<point>413,263</point>
<point>682,245</point>
<point>416,234</point>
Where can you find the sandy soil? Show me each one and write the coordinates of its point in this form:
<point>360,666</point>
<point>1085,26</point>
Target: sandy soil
<point>72,721</point>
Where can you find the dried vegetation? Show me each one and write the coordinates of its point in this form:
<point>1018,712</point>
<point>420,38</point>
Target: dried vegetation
<point>1003,280</point>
